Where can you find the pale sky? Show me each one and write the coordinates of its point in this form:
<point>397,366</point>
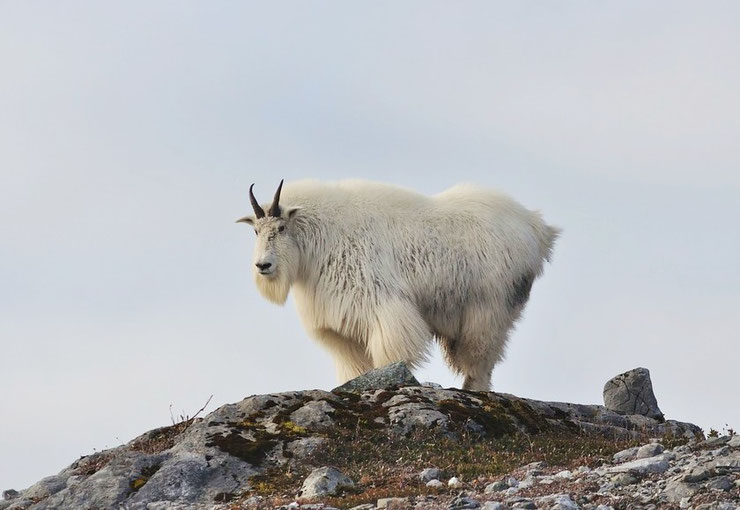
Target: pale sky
<point>130,132</point>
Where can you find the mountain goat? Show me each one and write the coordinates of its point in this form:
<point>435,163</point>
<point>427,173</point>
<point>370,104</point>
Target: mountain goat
<point>377,271</point>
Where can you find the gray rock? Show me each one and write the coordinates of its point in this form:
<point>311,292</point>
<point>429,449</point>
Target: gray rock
<point>528,481</point>
<point>658,464</point>
<point>435,484</point>
<point>429,474</point>
<point>632,393</point>
<point>45,487</point>
<point>313,415</point>
<point>305,447</point>
<point>714,442</point>
<point>624,479</point>
<point>720,505</point>
<point>649,450</point>
<point>395,375</point>
<point>493,505</point>
<point>496,487</point>
<point>734,442</point>
<point>527,504</point>
<point>408,417</point>
<point>677,490</point>
<point>366,506</point>
<point>721,483</point>
<point>563,502</point>
<point>625,455</point>
<point>729,463</point>
<point>324,481</point>
<point>721,452</point>
<point>698,474</point>
<point>251,501</point>
<point>391,502</point>
<point>19,503</point>
<point>534,468</point>
<point>10,494</point>
<point>463,503</point>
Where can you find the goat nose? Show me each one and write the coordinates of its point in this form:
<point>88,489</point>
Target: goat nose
<point>264,266</point>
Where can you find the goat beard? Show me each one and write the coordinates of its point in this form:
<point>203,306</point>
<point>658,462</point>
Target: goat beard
<point>276,287</point>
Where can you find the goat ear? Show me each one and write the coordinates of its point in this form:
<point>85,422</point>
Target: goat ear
<point>246,219</point>
<point>290,213</point>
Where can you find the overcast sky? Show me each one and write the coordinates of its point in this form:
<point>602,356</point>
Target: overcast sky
<point>130,132</point>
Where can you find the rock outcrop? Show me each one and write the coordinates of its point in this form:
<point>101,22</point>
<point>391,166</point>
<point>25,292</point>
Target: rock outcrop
<point>632,393</point>
<point>390,377</point>
<point>267,449</point>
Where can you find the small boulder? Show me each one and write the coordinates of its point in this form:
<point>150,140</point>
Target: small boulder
<point>10,494</point>
<point>395,375</point>
<point>304,447</point>
<point>430,474</point>
<point>496,487</point>
<point>625,455</point>
<point>313,415</point>
<point>392,502</point>
<point>632,393</point>
<point>624,479</point>
<point>493,505</point>
<point>698,474</point>
<point>676,490</point>
<point>649,450</point>
<point>721,483</point>
<point>324,481</point>
<point>657,464</point>
<point>525,503</point>
<point>45,487</point>
<point>463,503</point>
<point>563,502</point>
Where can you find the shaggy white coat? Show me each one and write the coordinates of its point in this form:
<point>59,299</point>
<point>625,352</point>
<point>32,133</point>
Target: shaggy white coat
<point>377,271</point>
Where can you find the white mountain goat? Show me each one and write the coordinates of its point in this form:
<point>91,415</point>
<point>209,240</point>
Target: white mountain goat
<point>378,271</point>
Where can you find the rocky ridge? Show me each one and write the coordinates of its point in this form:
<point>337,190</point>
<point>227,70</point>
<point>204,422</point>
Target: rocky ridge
<point>390,442</point>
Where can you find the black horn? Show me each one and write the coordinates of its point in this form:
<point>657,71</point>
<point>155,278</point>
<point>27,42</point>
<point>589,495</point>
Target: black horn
<point>258,211</point>
<point>275,207</point>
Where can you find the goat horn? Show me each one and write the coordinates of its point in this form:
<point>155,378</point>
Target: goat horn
<point>275,207</point>
<point>258,211</point>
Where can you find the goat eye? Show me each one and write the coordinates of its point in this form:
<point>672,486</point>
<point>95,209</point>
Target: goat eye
<point>281,228</point>
<point>256,232</point>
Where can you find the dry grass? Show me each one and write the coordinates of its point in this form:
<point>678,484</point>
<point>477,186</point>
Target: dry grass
<point>386,466</point>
